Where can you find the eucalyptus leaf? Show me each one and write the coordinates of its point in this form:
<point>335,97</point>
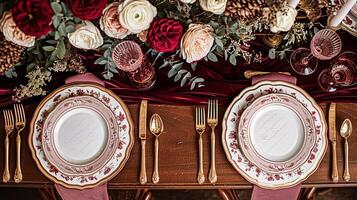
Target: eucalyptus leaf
<point>194,66</point>
<point>219,42</point>
<point>172,72</point>
<point>56,21</point>
<point>177,66</point>
<point>48,48</point>
<point>30,67</point>
<point>56,7</point>
<point>212,57</point>
<point>179,74</point>
<point>185,78</point>
<point>233,59</point>
<point>96,62</point>
<point>70,28</point>
<point>61,49</point>
<point>165,64</point>
<point>51,41</point>
<point>57,35</point>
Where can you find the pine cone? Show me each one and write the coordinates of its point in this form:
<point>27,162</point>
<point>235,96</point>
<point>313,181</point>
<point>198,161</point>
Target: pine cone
<point>10,54</point>
<point>247,10</point>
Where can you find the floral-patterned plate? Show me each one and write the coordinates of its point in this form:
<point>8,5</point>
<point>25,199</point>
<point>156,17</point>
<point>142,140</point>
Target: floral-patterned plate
<point>276,133</point>
<point>124,135</point>
<point>80,135</point>
<point>248,169</point>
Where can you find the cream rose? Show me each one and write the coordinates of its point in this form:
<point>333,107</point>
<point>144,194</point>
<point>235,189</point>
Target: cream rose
<point>109,22</point>
<point>13,33</point>
<point>284,20</point>
<point>214,6</point>
<point>188,1</point>
<point>196,42</point>
<point>86,36</point>
<point>136,15</point>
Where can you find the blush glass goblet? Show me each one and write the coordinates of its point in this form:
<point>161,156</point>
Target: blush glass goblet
<point>342,73</point>
<point>128,56</point>
<point>325,45</point>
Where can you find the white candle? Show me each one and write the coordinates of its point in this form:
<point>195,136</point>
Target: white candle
<point>293,3</point>
<point>341,14</point>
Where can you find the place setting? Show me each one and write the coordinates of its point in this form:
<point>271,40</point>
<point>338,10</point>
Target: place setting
<point>149,95</point>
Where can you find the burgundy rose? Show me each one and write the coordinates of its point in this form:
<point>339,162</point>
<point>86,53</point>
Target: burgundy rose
<point>165,35</point>
<point>33,17</point>
<point>87,9</point>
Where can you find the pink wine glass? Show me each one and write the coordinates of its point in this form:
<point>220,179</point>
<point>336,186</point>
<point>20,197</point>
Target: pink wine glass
<point>342,73</point>
<point>325,45</point>
<point>128,56</point>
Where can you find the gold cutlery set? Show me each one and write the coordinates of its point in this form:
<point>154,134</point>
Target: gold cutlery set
<point>200,125</point>
<point>11,123</point>
<point>345,132</point>
<point>156,126</point>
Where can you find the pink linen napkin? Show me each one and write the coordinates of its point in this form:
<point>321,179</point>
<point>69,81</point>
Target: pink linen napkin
<point>96,193</point>
<point>259,193</point>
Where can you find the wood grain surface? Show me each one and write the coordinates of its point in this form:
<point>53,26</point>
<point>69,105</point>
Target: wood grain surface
<point>178,154</point>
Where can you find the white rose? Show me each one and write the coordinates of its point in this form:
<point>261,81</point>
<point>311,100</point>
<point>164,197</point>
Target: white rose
<point>188,1</point>
<point>136,15</point>
<point>13,33</point>
<point>284,20</point>
<point>214,6</point>
<point>196,42</point>
<point>109,22</point>
<point>86,36</point>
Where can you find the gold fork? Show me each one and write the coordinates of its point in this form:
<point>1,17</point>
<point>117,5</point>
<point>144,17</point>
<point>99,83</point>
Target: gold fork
<point>20,125</point>
<point>200,129</point>
<point>212,121</point>
<point>9,128</point>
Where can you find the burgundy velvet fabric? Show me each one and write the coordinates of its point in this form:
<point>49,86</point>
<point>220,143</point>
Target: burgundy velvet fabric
<point>222,80</point>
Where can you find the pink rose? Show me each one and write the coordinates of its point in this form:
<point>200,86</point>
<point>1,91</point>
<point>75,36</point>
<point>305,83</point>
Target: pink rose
<point>109,22</point>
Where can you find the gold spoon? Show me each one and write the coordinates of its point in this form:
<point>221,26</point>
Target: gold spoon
<point>345,132</point>
<point>156,128</point>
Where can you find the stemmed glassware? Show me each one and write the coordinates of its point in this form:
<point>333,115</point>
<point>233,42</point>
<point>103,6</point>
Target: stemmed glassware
<point>342,73</point>
<point>128,57</point>
<point>325,45</point>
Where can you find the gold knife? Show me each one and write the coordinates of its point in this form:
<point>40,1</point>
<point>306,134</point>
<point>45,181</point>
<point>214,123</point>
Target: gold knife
<point>142,136</point>
<point>332,137</point>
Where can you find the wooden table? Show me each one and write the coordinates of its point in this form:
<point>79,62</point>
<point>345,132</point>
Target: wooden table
<point>178,155</point>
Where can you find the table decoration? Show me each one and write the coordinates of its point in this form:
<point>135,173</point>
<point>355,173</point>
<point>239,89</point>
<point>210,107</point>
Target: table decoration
<point>123,138</point>
<point>249,170</point>
<point>345,132</point>
<point>69,35</point>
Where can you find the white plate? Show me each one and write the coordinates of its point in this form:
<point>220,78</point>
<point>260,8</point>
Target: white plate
<point>277,133</point>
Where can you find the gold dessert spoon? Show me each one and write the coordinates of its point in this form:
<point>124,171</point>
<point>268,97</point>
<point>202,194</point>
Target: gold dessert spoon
<point>156,128</point>
<point>345,132</point>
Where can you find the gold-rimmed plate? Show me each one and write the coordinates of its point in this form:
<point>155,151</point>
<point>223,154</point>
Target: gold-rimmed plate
<point>124,137</point>
<point>251,172</point>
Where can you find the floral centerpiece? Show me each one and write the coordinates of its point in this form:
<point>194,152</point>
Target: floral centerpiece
<point>48,36</point>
